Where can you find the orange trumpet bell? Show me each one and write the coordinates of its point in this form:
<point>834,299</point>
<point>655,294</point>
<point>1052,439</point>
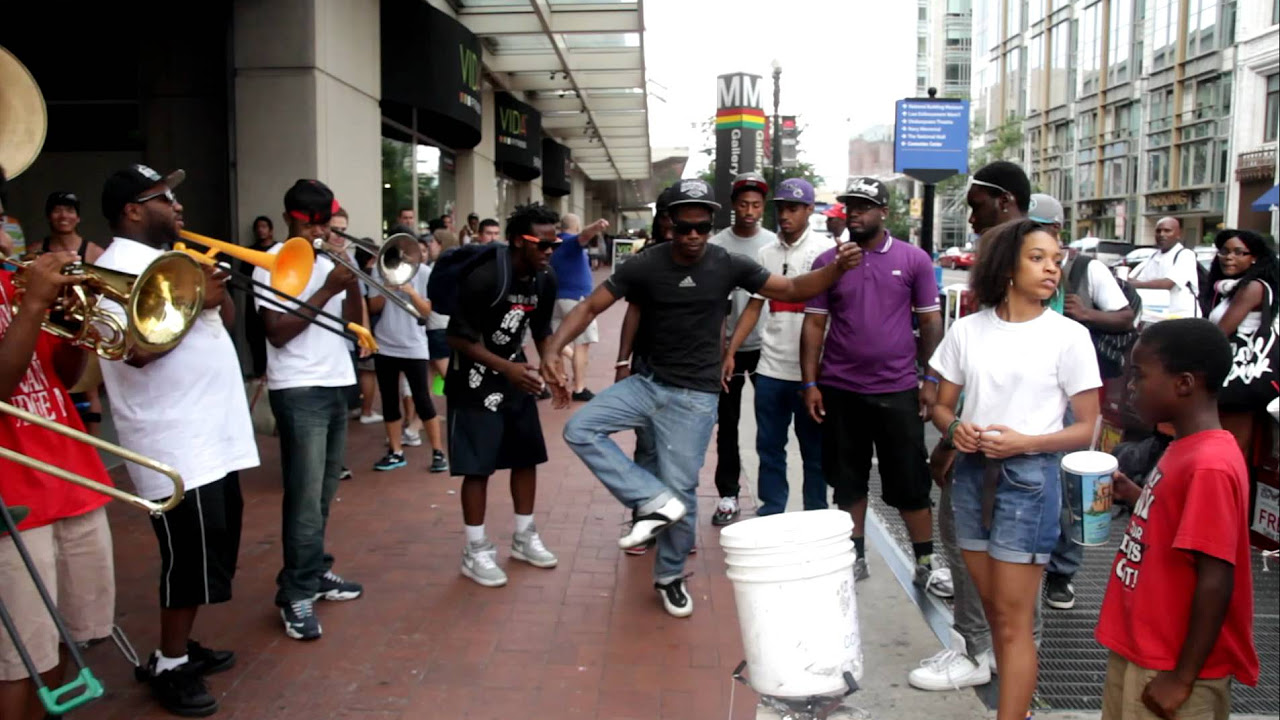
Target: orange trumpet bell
<point>290,268</point>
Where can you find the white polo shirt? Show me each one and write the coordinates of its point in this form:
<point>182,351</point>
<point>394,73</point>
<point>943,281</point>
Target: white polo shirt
<point>315,357</point>
<point>187,409</point>
<point>1179,266</point>
<point>780,323</point>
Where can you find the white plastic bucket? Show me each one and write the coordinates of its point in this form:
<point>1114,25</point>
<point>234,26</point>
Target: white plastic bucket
<point>792,578</point>
<point>1086,495</point>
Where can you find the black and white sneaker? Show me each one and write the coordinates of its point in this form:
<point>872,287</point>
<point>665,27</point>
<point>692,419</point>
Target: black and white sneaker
<point>207,662</point>
<point>1058,592</point>
<point>333,587</point>
<point>675,598</point>
<point>344,473</point>
<point>181,690</point>
<point>726,512</point>
<point>300,621</point>
<point>438,462</point>
<point>646,527</point>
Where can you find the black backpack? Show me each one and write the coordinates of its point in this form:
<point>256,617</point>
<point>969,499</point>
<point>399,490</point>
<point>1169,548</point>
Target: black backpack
<point>1113,348</point>
<point>456,263</point>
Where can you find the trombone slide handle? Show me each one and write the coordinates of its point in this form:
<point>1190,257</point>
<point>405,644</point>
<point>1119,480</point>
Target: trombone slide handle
<point>364,338</point>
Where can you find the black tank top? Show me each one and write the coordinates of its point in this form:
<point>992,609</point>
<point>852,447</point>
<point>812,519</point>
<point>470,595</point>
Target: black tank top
<point>84,245</point>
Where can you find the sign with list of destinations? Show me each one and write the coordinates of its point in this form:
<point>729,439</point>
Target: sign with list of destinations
<point>931,138</point>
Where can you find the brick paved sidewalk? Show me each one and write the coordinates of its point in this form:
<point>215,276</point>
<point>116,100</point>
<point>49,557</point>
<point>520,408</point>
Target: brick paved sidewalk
<point>588,639</point>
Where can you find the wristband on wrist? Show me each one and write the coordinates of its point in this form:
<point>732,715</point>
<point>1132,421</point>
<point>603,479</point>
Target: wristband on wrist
<point>808,385</point>
<point>950,435</point>
<point>622,363</point>
<point>932,379</point>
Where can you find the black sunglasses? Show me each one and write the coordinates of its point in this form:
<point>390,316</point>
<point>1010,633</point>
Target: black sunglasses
<point>166,195</point>
<point>686,228</point>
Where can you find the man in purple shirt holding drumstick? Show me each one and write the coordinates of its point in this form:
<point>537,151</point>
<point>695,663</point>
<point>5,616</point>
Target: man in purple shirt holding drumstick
<point>861,382</point>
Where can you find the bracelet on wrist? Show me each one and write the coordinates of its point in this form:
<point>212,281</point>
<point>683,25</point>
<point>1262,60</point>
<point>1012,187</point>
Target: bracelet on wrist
<point>930,378</point>
<point>950,434</point>
<point>622,363</point>
<point>808,385</point>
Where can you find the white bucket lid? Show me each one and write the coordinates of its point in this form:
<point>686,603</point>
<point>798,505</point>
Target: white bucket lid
<point>787,529</point>
<point>1090,462</point>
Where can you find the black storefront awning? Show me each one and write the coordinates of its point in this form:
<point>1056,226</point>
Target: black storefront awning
<point>555,169</point>
<point>432,63</point>
<point>518,153</point>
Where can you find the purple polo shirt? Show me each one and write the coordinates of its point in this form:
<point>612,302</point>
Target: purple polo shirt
<point>870,346</point>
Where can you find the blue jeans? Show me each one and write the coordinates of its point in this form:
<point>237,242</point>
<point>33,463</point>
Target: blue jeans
<point>312,422</point>
<point>679,421</point>
<point>1067,556</point>
<point>1025,506</point>
<point>777,402</point>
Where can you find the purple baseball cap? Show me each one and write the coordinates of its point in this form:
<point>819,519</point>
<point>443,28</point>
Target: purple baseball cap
<point>795,190</point>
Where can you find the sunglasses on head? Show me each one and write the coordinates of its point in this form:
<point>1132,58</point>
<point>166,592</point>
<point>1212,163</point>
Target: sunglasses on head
<point>687,228</point>
<point>993,186</point>
<point>542,244</point>
<point>166,195</point>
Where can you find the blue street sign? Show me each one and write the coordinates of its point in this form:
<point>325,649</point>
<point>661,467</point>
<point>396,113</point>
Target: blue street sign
<point>931,138</point>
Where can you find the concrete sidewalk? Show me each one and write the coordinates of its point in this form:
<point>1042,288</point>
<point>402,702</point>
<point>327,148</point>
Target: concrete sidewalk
<point>588,639</point>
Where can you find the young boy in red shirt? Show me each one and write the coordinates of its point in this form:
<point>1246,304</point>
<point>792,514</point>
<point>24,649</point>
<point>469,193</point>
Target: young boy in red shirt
<point>1178,613</point>
<point>66,531</point>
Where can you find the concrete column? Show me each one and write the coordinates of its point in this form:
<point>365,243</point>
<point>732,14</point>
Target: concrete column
<point>477,189</point>
<point>577,190</point>
<point>308,79</point>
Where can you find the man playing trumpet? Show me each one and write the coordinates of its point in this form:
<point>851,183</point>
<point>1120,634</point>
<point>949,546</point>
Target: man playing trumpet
<point>66,531</point>
<point>187,409</point>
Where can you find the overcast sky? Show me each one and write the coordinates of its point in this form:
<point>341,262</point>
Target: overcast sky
<point>844,64</point>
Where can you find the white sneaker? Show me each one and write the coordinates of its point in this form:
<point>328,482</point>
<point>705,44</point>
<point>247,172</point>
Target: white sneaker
<point>951,669</point>
<point>480,563</point>
<point>646,527</point>
<point>939,583</point>
<point>527,546</point>
<point>410,438</point>
<point>370,419</point>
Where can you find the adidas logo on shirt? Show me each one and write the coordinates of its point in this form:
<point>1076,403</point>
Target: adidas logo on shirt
<point>688,282</point>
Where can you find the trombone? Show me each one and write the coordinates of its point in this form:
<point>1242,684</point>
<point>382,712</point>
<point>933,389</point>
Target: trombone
<point>397,260</point>
<point>156,509</point>
<point>290,272</point>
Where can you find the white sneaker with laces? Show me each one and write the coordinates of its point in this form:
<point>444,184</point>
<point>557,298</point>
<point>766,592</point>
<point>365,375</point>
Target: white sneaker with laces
<point>940,584</point>
<point>951,669</point>
<point>371,418</point>
<point>410,438</point>
<point>648,526</point>
<point>480,563</point>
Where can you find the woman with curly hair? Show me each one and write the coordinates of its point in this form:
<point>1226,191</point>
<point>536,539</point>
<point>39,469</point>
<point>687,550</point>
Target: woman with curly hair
<point>1019,365</point>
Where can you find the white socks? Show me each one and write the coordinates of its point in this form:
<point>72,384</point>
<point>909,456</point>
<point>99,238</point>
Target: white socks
<point>523,522</point>
<point>167,663</point>
<point>475,533</point>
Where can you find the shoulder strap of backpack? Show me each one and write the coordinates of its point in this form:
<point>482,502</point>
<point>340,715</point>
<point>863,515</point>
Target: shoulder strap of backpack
<point>1078,273</point>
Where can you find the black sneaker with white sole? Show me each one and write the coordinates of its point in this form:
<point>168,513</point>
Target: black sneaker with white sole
<point>207,662</point>
<point>1058,592</point>
<point>181,690</point>
<point>300,621</point>
<point>333,587</point>
<point>675,598</point>
<point>649,525</point>
<point>438,462</point>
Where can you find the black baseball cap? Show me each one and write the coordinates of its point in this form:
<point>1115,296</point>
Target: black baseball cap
<point>310,201</point>
<point>61,198</point>
<point>693,191</point>
<point>131,184</point>
<point>866,188</point>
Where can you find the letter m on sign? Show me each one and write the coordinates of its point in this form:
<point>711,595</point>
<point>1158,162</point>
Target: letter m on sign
<point>738,90</point>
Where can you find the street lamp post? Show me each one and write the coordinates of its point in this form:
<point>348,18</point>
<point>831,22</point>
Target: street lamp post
<point>777,136</point>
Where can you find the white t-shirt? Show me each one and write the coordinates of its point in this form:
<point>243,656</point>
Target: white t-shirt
<point>1178,265</point>
<point>1021,375</point>
<point>781,323</point>
<point>1104,291</point>
<point>315,357</point>
<point>398,333</point>
<point>188,409</point>
<point>749,246</point>
<point>435,321</point>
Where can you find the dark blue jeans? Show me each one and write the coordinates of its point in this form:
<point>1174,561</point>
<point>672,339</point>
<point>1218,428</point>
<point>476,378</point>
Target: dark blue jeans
<point>312,423</point>
<point>777,402</point>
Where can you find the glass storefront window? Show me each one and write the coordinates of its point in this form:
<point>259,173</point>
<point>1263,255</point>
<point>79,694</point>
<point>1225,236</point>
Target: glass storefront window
<point>397,180</point>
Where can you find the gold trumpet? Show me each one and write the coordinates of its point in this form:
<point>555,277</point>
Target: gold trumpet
<point>161,303</point>
<point>155,508</point>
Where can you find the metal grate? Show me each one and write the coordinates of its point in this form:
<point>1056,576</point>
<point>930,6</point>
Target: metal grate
<point>1073,665</point>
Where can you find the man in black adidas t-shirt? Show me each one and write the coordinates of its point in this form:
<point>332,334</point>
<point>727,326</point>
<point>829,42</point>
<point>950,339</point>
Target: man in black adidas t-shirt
<point>682,290</point>
<point>492,390</point>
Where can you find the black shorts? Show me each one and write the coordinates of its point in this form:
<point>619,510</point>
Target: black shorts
<point>891,422</point>
<point>438,345</point>
<point>482,441</point>
<point>199,544</point>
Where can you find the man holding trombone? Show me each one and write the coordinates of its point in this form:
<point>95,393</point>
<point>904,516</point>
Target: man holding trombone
<point>66,531</point>
<point>308,372</point>
<point>186,408</point>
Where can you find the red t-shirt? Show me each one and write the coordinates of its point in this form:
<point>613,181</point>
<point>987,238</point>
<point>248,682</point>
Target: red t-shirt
<point>1196,500</point>
<point>42,393</point>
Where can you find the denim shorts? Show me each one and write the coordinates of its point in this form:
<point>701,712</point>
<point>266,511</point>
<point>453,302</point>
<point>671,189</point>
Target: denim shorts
<point>1025,517</point>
